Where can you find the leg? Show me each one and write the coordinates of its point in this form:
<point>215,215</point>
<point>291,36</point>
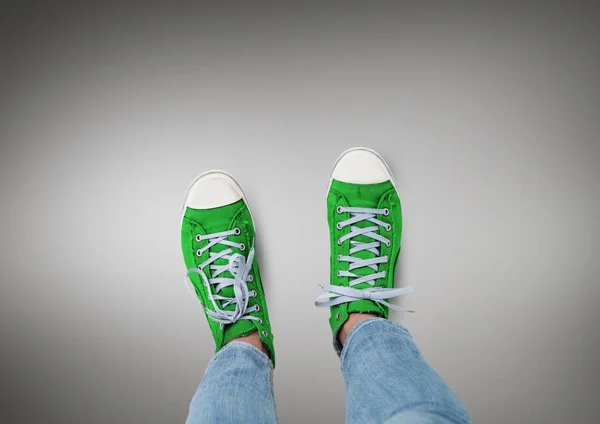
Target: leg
<point>237,388</point>
<point>217,241</point>
<point>387,379</point>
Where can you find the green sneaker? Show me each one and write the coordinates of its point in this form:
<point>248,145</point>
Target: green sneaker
<point>365,229</point>
<point>217,239</point>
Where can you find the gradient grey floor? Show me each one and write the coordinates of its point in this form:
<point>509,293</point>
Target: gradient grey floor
<point>487,114</point>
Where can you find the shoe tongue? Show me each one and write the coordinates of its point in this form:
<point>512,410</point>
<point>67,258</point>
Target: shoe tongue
<point>241,327</point>
<point>364,196</point>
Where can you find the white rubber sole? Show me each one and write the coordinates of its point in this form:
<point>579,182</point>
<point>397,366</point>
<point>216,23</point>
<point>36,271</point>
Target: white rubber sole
<point>365,149</point>
<point>225,174</point>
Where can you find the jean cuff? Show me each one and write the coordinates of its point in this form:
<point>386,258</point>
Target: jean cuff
<point>251,350</point>
<point>380,323</point>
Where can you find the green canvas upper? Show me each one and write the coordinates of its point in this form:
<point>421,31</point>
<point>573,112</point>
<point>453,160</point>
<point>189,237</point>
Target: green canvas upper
<point>373,196</point>
<point>215,220</point>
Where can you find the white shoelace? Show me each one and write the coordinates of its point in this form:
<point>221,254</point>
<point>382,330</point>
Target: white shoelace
<point>337,295</point>
<point>239,267</point>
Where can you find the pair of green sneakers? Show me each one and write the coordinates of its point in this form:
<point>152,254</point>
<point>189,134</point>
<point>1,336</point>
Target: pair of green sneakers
<point>365,229</point>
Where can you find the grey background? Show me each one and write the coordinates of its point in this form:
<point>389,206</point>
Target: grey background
<point>486,112</point>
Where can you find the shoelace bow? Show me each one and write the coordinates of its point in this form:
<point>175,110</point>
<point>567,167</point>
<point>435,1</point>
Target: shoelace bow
<point>238,266</point>
<point>337,295</point>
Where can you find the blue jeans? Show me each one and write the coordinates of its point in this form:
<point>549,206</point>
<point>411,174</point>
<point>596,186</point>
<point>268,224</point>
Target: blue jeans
<point>387,381</point>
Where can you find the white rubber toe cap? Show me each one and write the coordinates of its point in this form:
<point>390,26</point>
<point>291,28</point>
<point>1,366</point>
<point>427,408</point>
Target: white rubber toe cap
<point>361,166</point>
<point>212,190</point>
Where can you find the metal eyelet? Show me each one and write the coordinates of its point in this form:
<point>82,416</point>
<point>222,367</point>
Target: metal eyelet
<point>237,231</point>
<point>388,243</point>
<point>260,321</point>
<point>339,257</point>
<point>253,293</point>
<point>337,316</point>
<point>338,226</point>
<point>250,278</point>
<point>339,242</point>
<point>339,209</point>
<point>242,247</point>
<point>198,252</point>
<point>388,227</point>
<point>386,211</point>
<point>264,333</point>
<point>198,238</point>
<point>257,308</point>
<point>339,273</point>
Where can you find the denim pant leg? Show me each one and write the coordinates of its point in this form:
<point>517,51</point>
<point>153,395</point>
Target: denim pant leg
<point>388,381</point>
<point>237,388</point>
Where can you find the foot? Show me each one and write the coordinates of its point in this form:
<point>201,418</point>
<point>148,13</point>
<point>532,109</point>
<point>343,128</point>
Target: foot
<point>365,227</point>
<point>217,239</point>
